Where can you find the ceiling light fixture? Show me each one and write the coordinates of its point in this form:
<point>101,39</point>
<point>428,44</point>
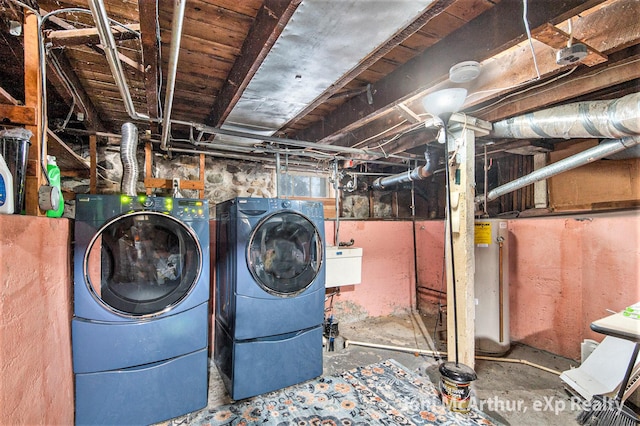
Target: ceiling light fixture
<point>443,103</point>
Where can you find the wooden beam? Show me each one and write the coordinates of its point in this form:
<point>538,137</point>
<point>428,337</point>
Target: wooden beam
<point>23,115</point>
<point>33,99</point>
<point>74,37</point>
<point>268,25</point>
<point>592,80</point>
<point>433,65</point>
<point>8,98</point>
<point>149,32</point>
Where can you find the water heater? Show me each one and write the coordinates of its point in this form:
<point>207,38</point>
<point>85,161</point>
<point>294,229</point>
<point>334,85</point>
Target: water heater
<point>491,242</point>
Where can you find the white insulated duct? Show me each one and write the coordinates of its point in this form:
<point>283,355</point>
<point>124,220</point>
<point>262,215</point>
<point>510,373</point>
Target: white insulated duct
<point>128,149</point>
<point>101,19</point>
<point>610,119</point>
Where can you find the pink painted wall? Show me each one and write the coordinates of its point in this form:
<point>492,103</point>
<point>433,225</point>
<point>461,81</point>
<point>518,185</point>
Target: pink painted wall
<point>387,285</point>
<point>566,271</point>
<point>36,380</point>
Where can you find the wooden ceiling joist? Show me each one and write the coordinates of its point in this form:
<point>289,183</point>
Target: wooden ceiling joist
<point>73,37</point>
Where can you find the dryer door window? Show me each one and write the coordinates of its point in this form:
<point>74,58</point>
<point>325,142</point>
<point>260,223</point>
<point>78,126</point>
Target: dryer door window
<point>142,263</point>
<point>285,253</point>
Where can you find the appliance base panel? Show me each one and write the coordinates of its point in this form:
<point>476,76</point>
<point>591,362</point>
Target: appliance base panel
<point>257,366</point>
<point>143,395</point>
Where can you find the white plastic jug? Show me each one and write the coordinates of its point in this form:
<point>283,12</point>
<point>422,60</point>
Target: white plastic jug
<point>6,188</point>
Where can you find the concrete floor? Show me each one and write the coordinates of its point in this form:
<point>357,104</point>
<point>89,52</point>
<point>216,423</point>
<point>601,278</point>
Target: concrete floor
<point>511,393</point>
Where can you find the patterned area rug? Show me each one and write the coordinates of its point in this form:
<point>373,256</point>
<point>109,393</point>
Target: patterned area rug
<point>385,393</point>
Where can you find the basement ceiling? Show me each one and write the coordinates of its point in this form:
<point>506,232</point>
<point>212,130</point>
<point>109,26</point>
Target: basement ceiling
<point>317,76</point>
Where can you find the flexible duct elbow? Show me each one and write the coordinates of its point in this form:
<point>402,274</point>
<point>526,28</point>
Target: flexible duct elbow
<point>128,148</point>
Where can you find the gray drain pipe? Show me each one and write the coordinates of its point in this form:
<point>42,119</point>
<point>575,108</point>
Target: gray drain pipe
<point>590,155</point>
<point>419,173</point>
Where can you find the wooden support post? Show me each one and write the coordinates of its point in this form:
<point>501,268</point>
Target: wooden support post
<point>148,165</point>
<point>33,99</point>
<point>462,184</point>
<point>93,164</point>
<point>150,182</point>
<point>202,164</point>
<point>540,197</point>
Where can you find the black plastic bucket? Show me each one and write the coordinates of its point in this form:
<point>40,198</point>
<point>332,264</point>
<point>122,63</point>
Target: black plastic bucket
<point>455,386</point>
<point>14,147</point>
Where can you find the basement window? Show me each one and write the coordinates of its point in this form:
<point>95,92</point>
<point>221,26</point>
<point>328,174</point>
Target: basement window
<point>303,185</point>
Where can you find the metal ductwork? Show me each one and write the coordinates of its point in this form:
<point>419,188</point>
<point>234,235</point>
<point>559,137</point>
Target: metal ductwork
<point>590,155</point>
<point>617,119</point>
<point>108,42</point>
<point>419,173</point>
<point>610,119</point>
<point>128,149</point>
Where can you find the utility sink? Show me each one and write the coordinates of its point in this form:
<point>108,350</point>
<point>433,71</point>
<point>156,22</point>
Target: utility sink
<point>344,266</point>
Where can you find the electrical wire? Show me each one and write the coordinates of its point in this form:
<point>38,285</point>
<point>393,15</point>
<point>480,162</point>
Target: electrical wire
<point>526,26</point>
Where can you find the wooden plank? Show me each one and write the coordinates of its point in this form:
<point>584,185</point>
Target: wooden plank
<point>460,246</point>
<point>33,99</point>
<point>18,114</point>
<point>150,182</point>
<point>202,174</point>
<point>8,98</point>
<point>269,24</point>
<point>71,37</point>
<point>148,165</point>
<point>66,158</point>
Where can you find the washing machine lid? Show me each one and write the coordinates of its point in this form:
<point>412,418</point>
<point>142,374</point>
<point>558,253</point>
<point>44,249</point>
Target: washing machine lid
<point>142,264</point>
<point>284,254</point>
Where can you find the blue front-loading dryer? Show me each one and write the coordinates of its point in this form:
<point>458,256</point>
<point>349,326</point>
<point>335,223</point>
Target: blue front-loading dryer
<point>141,313</point>
<point>270,291</point>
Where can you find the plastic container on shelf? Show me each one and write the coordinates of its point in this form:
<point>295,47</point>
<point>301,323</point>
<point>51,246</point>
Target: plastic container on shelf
<point>53,171</point>
<point>6,188</point>
<point>14,147</point>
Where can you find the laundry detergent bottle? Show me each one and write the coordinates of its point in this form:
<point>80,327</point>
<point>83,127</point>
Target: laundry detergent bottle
<point>6,188</point>
<point>53,171</point>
